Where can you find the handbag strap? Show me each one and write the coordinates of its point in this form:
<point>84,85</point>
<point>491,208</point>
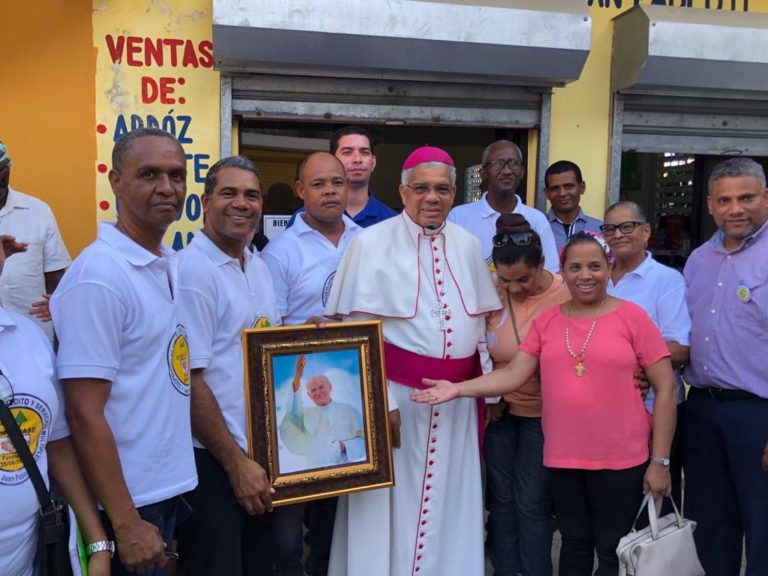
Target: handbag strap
<point>654,511</point>
<point>47,506</point>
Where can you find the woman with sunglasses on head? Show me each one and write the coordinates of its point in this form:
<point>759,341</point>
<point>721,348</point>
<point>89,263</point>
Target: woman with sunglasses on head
<point>660,291</point>
<point>517,492</point>
<point>596,428</point>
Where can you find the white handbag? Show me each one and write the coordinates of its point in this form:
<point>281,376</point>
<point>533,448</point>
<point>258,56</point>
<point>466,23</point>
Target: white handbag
<point>664,548</point>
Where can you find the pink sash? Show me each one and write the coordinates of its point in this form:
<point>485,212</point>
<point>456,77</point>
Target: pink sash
<point>408,368</point>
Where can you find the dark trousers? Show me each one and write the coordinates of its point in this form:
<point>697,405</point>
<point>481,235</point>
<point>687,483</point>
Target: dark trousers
<point>163,515</point>
<point>726,489</point>
<point>594,509</point>
<point>319,517</point>
<point>677,458</point>
<point>219,537</point>
<point>517,497</point>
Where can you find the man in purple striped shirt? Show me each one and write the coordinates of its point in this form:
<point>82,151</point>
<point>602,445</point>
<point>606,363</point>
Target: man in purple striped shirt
<point>726,489</point>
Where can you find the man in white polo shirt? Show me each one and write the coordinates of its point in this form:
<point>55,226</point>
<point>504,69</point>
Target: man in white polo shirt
<point>224,289</point>
<point>502,171</point>
<point>124,358</point>
<point>33,274</point>
<point>303,262</point>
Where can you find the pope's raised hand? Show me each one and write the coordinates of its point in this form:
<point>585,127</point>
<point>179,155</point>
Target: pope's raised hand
<point>439,391</point>
<point>301,361</point>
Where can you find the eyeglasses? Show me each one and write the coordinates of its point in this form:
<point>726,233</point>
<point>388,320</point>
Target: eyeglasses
<point>624,227</point>
<point>440,189</point>
<point>517,238</point>
<point>498,165</point>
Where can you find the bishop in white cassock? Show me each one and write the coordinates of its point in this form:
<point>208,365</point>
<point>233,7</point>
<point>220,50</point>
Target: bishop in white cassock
<point>426,280</point>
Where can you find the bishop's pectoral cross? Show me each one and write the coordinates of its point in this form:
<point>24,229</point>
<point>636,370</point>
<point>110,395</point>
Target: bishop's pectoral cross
<point>440,313</point>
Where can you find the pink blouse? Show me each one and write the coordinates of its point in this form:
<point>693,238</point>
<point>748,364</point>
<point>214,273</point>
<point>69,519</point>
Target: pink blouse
<point>598,420</point>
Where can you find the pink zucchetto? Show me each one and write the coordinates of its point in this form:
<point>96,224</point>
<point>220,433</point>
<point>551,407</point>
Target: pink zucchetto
<point>427,154</point>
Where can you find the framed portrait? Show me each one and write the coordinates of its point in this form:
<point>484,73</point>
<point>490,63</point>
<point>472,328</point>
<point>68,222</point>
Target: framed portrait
<point>316,409</point>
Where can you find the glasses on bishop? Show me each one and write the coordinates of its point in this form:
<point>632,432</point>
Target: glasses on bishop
<point>440,189</point>
<point>624,227</point>
<point>498,165</point>
<point>516,238</point>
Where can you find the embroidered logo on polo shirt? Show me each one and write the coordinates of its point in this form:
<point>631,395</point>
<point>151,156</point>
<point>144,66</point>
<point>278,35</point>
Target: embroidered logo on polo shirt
<point>262,322</point>
<point>327,287</point>
<point>178,360</point>
<point>34,419</point>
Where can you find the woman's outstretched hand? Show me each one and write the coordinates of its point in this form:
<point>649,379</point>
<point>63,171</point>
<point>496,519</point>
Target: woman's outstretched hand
<point>439,391</point>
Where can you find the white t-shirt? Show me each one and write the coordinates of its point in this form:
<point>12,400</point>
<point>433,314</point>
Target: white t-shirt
<point>480,219</point>
<point>115,312</point>
<point>217,301</point>
<point>27,363</point>
<point>303,264</point>
<point>660,291</point>
<point>23,282</point>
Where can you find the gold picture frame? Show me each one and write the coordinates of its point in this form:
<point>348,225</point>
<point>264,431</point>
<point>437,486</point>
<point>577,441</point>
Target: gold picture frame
<point>330,436</point>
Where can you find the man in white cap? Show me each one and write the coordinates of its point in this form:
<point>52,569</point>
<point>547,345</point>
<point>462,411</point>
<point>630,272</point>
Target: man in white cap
<point>426,280</point>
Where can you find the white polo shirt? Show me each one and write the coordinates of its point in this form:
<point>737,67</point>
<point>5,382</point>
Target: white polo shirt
<point>217,301</point>
<point>303,264</point>
<point>115,312</point>
<point>480,219</point>
<point>30,220</point>
<point>27,362</point>
<point>661,292</point>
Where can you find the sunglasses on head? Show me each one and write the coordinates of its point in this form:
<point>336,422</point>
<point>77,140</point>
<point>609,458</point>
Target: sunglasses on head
<point>517,238</point>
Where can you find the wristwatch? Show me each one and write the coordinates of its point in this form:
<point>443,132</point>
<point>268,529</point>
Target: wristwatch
<point>101,546</point>
<point>661,460</point>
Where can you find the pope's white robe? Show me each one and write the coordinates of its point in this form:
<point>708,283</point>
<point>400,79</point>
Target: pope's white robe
<point>431,522</point>
<point>315,432</point>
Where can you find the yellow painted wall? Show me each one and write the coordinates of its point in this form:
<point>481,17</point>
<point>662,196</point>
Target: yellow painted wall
<point>581,111</point>
<point>47,108</point>
<point>155,68</point>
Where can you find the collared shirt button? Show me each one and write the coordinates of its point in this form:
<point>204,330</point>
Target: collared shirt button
<point>422,534</point>
<point>429,475</point>
<point>728,257</point>
<point>421,546</point>
<point>713,310</point>
<point>434,426</point>
<point>432,451</point>
<point>719,283</point>
<point>437,413</point>
<point>448,317</point>
<point>437,270</point>
<point>706,339</point>
<point>437,260</point>
<point>447,356</point>
<point>706,368</point>
<point>428,487</point>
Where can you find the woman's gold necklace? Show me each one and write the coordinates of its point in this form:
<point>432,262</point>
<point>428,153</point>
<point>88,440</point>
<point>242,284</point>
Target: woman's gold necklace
<point>580,368</point>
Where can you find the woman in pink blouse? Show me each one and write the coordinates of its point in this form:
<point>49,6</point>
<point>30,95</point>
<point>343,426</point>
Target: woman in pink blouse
<point>517,492</point>
<point>596,428</point>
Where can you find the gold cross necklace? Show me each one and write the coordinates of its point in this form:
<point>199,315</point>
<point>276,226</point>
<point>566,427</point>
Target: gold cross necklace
<point>580,368</point>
